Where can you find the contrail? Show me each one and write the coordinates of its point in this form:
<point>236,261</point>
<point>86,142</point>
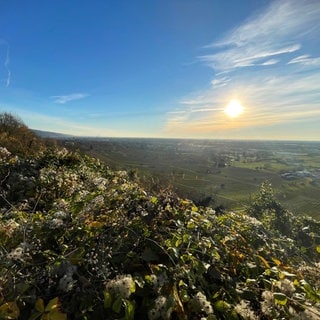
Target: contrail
<point>7,63</point>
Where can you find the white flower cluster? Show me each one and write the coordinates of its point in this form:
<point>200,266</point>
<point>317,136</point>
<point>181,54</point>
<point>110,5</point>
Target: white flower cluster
<point>161,309</point>
<point>121,286</point>
<point>20,253</point>
<point>122,174</point>
<point>62,153</point>
<point>4,153</point>
<point>252,221</point>
<point>158,281</point>
<point>66,283</point>
<point>58,220</point>
<point>55,223</point>
<point>199,303</point>
<point>61,204</point>
<point>286,286</point>
<point>244,310</point>
<point>65,180</point>
<point>100,183</point>
<point>267,305</point>
<point>60,215</point>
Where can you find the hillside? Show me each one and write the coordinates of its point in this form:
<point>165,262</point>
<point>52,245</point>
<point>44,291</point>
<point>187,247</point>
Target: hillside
<point>80,241</point>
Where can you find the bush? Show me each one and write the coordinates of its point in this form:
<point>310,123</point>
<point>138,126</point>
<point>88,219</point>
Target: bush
<point>17,138</point>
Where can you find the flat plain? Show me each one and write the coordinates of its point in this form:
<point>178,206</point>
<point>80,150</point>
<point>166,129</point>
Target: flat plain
<point>220,173</point>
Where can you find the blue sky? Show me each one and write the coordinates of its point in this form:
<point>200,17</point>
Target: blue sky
<point>163,68</point>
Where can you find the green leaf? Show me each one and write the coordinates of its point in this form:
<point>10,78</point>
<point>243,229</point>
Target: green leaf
<point>280,298</point>
<point>154,200</point>
<point>133,287</point>
<point>221,306</point>
<point>178,242</point>
<point>53,304</point>
<point>318,249</point>
<point>107,300</point>
<point>129,309</point>
<point>312,294</point>
<point>116,307</point>
<point>191,225</point>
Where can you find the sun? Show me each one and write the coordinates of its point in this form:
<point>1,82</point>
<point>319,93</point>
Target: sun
<point>234,108</point>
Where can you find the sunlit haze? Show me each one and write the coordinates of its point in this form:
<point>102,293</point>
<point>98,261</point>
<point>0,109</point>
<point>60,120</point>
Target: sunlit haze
<point>169,68</point>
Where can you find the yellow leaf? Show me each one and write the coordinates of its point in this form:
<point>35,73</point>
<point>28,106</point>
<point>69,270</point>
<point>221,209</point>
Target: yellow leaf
<point>52,305</point>
<point>57,315</point>
<point>40,305</point>
<point>265,262</point>
<point>276,261</point>
<point>179,305</point>
<point>95,224</point>
<point>9,310</point>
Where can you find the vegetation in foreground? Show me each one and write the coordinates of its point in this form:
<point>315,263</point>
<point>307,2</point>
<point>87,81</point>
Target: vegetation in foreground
<point>80,241</point>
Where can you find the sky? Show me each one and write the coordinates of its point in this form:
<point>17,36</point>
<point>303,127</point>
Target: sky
<point>163,68</point>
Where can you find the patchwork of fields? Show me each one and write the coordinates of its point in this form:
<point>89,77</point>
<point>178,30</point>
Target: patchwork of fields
<point>220,173</point>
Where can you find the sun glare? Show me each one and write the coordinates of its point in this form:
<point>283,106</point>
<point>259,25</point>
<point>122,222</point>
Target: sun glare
<point>234,108</point>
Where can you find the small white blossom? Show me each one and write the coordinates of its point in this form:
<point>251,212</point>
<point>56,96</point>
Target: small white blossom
<point>243,309</point>
<point>200,303</point>
<point>56,223</point>
<point>20,253</point>
<point>60,215</point>
<point>161,309</point>
<point>100,183</point>
<point>66,283</point>
<point>286,286</point>
<point>267,305</point>
<point>4,153</point>
<point>122,286</point>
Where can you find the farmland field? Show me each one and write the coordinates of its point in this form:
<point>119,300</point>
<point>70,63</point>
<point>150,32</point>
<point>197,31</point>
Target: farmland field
<point>218,172</point>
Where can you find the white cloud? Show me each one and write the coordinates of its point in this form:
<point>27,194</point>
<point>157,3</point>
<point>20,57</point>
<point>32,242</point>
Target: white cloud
<point>306,60</point>
<point>270,62</point>
<point>220,82</point>
<point>276,31</point>
<point>69,97</point>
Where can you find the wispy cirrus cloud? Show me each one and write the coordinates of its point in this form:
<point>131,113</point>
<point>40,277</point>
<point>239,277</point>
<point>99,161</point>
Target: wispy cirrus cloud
<point>306,59</point>
<point>276,31</point>
<point>69,97</point>
<point>6,62</point>
<point>264,62</point>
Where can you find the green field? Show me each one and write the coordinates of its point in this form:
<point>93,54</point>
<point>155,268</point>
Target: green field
<point>227,171</point>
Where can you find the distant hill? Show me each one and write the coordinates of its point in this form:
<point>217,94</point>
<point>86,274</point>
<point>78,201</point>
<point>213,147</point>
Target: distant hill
<point>51,135</point>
